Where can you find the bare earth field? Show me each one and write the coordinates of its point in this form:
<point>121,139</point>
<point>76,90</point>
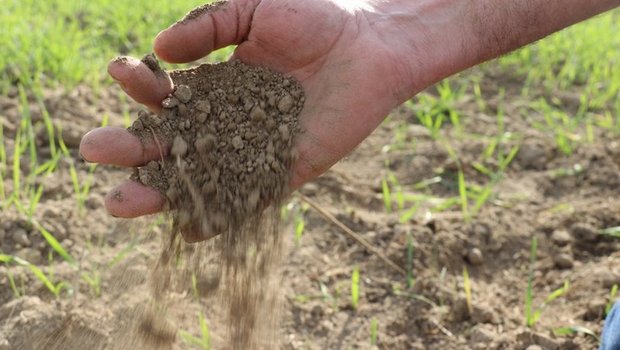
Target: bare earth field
<point>564,200</point>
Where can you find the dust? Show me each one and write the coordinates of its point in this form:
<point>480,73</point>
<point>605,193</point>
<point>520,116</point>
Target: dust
<point>201,10</point>
<point>231,129</point>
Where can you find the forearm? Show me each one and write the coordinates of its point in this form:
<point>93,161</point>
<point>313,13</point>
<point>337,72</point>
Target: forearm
<point>497,27</point>
<point>458,34</point>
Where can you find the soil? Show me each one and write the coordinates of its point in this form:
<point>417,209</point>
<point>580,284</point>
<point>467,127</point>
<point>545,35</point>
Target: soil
<point>231,127</point>
<point>563,200</point>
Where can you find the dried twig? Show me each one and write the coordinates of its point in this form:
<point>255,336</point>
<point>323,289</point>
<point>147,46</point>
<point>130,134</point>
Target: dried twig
<point>359,239</point>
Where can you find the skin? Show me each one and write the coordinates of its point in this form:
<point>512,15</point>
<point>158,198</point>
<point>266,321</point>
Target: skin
<point>356,60</point>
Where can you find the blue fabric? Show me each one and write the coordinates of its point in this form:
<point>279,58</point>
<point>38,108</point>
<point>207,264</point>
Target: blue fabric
<point>610,340</point>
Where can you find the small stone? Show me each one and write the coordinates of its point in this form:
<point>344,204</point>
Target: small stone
<point>179,147</point>
<point>534,347</point>
<point>183,110</point>
<point>232,98</point>
<point>204,106</point>
<point>202,117</point>
<point>137,125</point>
<point>564,261</point>
<point>310,189</point>
<point>481,335</point>
<point>561,238</point>
<point>474,256</point>
<point>237,142</point>
<point>285,104</point>
<point>170,102</point>
<point>67,243</point>
<point>285,134</point>
<point>533,155</point>
<point>144,176</point>
<point>258,114</point>
<point>584,232</point>
<point>20,236</point>
<point>153,165</point>
<point>183,93</point>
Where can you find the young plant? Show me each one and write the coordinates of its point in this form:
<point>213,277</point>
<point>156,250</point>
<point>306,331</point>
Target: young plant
<point>374,328</point>
<point>2,166</point>
<point>355,287</point>
<point>54,288</point>
<point>81,190</point>
<point>54,244</point>
<point>93,279</point>
<point>467,289</point>
<point>611,299</point>
<point>564,331</point>
<point>533,314</point>
<point>204,341</point>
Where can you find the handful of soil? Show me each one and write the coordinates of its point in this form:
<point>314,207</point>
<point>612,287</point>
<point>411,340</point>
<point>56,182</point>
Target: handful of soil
<point>231,127</point>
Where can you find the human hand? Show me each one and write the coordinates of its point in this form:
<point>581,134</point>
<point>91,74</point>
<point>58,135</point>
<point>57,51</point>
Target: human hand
<point>356,60</point>
<point>353,75</point>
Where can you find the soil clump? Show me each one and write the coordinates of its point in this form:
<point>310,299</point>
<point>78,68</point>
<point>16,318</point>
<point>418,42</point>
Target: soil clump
<point>230,128</point>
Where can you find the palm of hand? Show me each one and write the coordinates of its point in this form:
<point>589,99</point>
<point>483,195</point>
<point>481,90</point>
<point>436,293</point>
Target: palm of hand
<point>351,78</point>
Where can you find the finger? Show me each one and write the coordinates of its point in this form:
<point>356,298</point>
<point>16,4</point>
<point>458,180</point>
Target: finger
<point>132,199</point>
<point>140,82</point>
<point>204,29</point>
<point>117,146</point>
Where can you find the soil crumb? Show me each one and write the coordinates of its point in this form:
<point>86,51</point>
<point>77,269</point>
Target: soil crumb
<point>231,129</point>
<point>201,10</point>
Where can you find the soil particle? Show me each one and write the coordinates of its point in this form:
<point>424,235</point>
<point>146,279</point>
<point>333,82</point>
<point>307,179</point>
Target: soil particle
<point>474,256</point>
<point>564,261</point>
<point>584,232</point>
<point>20,236</point>
<point>151,61</point>
<point>201,10</point>
<point>561,238</point>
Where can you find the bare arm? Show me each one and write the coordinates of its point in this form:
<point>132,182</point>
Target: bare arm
<point>456,35</point>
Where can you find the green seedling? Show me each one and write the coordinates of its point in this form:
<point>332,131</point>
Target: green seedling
<point>54,288</point>
<point>202,342</point>
<point>2,166</point>
<point>93,279</point>
<point>463,195</point>
<point>374,330</point>
<point>564,331</point>
<point>17,293</point>
<point>355,287</point>
<point>611,231</point>
<point>467,289</point>
<point>54,244</point>
<point>81,190</point>
<point>613,293</point>
<point>533,314</point>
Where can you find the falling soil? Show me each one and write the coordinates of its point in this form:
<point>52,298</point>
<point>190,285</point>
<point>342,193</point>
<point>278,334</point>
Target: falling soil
<point>231,129</point>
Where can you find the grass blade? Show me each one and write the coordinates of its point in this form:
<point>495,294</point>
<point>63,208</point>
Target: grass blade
<point>355,287</point>
<point>53,242</point>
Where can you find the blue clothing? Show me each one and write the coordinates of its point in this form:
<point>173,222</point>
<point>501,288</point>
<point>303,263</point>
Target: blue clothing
<point>610,339</point>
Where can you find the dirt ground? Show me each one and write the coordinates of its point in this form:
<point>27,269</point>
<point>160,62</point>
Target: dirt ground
<point>562,200</point>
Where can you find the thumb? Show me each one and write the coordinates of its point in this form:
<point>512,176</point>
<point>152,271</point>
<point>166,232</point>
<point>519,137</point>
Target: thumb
<point>204,29</point>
